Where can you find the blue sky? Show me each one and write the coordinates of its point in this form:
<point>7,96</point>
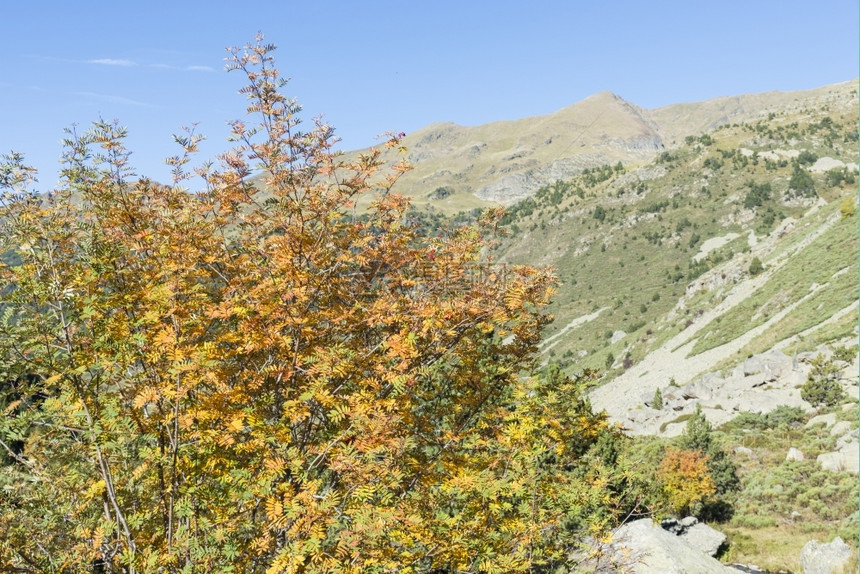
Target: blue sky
<point>375,66</point>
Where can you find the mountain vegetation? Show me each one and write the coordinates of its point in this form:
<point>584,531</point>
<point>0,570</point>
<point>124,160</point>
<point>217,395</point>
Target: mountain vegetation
<point>298,368</point>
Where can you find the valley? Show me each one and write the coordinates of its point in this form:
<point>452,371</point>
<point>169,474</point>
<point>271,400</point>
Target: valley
<point>706,251</point>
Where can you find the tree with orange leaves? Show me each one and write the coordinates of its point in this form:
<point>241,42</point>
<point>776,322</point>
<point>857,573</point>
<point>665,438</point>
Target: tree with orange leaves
<point>253,378</point>
<point>686,479</point>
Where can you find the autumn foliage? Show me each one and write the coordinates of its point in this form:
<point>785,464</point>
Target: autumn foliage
<point>257,377</point>
<point>686,479</point>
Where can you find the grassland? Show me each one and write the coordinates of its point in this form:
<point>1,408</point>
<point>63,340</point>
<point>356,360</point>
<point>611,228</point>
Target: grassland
<point>626,240</point>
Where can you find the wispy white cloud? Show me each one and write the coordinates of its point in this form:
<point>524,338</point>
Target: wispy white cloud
<point>125,63</point>
<point>112,99</point>
<point>183,68</point>
<point>112,62</point>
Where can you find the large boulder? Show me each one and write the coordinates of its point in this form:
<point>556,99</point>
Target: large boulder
<point>704,538</point>
<point>840,428</point>
<point>827,420</point>
<point>644,547</point>
<point>698,535</point>
<point>771,365</point>
<point>794,453</point>
<point>846,459</point>
<point>829,558</point>
<point>702,389</point>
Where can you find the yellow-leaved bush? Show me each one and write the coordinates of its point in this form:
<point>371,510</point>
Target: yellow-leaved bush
<point>258,377</point>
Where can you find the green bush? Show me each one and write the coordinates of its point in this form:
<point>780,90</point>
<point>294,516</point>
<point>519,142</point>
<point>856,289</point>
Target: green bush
<point>756,266</point>
<point>838,175</point>
<point>848,208</point>
<point>698,435</point>
<point>801,182</point>
<point>822,386</point>
<point>844,353</point>
<point>781,418</point>
<point>757,195</point>
<point>657,401</point>
<point>806,157</point>
<point>610,359</point>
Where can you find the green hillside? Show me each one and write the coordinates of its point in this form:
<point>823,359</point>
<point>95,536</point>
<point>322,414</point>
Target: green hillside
<point>627,241</point>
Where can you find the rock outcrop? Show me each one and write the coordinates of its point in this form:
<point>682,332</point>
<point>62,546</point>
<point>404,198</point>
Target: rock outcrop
<point>846,458</point>
<point>644,547</point>
<point>759,384</point>
<point>794,453</point>
<point>830,558</point>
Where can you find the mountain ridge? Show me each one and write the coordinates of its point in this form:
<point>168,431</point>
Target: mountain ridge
<point>506,161</point>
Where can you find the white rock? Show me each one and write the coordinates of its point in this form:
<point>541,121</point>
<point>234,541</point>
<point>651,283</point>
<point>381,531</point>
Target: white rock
<point>794,454</point>
<point>643,547</point>
<point>827,420</point>
<point>744,450</point>
<point>826,164</point>
<point>847,459</point>
<point>704,538</point>
<point>840,428</point>
<point>617,336</point>
<point>825,558</point>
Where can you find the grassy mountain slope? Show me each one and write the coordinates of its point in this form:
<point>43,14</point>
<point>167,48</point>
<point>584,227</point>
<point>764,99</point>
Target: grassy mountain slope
<point>643,254</point>
<point>459,167</point>
<point>739,238</point>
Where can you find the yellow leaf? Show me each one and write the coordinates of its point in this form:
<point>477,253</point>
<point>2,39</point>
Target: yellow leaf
<point>238,423</point>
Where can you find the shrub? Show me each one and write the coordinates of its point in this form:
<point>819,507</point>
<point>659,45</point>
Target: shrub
<point>806,157</point>
<point>756,266</point>
<point>757,195</point>
<point>440,193</point>
<point>801,182</point>
<point>698,435</point>
<point>844,353</point>
<point>782,418</point>
<point>685,479</point>
<point>848,207</point>
<point>240,380</point>
<point>837,176</point>
<point>822,386</point>
<point>657,401</point>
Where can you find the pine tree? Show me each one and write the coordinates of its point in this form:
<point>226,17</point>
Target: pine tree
<point>657,401</point>
<point>698,436</point>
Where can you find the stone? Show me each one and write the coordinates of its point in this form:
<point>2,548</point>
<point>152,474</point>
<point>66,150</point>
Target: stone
<point>672,525</point>
<point>748,452</point>
<point>704,538</point>
<point>703,387</point>
<point>794,454</point>
<point>826,163</point>
<point>846,438</point>
<point>643,547</point>
<point>771,364</point>
<point>748,568</point>
<point>827,420</point>
<point>689,521</point>
<point>846,459</point>
<point>840,428</point>
<point>831,558</point>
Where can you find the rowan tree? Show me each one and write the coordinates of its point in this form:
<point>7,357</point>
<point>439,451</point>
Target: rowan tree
<point>699,436</point>
<point>256,377</point>
<point>686,479</point>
